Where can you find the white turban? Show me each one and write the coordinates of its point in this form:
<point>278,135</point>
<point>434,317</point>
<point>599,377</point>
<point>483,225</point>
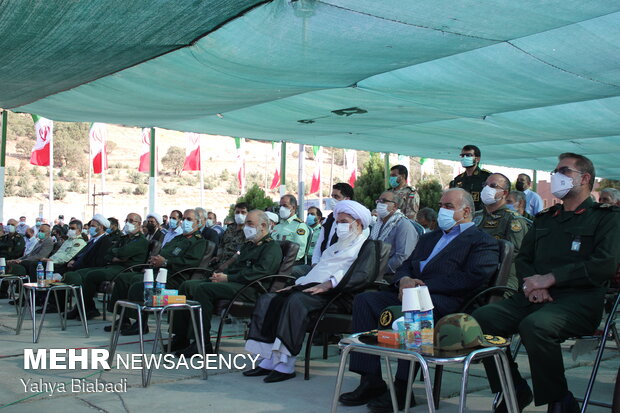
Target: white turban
<point>157,217</point>
<point>273,216</point>
<point>102,220</point>
<point>355,209</point>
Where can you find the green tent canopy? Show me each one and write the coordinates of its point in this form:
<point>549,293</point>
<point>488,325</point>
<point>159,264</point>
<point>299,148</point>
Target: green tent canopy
<point>523,80</point>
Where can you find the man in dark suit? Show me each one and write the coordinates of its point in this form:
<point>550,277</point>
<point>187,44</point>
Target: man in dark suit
<point>454,262</point>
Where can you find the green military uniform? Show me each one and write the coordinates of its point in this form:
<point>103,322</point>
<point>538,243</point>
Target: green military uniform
<point>410,201</point>
<point>232,239</point>
<point>130,250</point>
<point>315,232</point>
<point>580,248</point>
<point>295,230</point>
<point>12,246</point>
<point>472,184</point>
<point>504,224</point>
<point>255,261</point>
<point>116,238</point>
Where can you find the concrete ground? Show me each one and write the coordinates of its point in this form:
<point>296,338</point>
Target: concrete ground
<point>226,390</point>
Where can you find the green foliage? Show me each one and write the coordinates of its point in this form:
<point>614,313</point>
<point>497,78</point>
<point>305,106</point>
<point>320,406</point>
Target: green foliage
<point>224,175</point>
<point>233,188</point>
<point>36,173</point>
<point>174,159</point>
<point>170,191</point>
<point>23,181</point>
<point>188,180</point>
<point>140,189</point>
<point>254,178</point>
<point>39,187</point>
<point>255,197</point>
<point>12,171</point>
<point>608,183</point>
<point>21,125</point>
<point>430,193</point>
<point>24,145</point>
<point>370,183</point>
<point>136,177</point>
<point>126,190</point>
<point>70,143</point>
<point>24,192</point>
<point>59,192</point>
<point>210,182</point>
<point>75,186</point>
<point>9,186</point>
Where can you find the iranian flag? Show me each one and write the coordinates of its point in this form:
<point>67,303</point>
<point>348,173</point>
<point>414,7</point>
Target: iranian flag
<point>240,164</point>
<point>192,153</point>
<point>44,128</point>
<point>351,157</point>
<point>275,182</point>
<point>145,156</point>
<point>98,134</point>
<point>316,175</point>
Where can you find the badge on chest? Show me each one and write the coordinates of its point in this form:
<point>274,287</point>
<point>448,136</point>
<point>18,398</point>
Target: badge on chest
<point>576,244</point>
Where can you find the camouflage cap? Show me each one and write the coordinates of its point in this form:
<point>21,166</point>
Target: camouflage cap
<point>388,316</point>
<point>461,331</point>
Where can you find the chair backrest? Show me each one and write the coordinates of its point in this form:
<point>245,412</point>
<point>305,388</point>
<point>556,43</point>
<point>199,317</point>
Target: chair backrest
<point>386,249</point>
<point>370,263</point>
<point>506,252</point>
<point>289,255</point>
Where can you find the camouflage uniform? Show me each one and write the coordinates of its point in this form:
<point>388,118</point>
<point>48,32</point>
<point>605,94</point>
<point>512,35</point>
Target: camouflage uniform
<point>472,184</point>
<point>410,201</point>
<point>231,242</point>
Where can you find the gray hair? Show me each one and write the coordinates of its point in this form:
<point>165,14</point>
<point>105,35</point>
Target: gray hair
<point>613,193</point>
<point>467,200</point>
<point>428,214</point>
<point>261,217</point>
<point>201,215</point>
<point>518,195</point>
<point>398,199</point>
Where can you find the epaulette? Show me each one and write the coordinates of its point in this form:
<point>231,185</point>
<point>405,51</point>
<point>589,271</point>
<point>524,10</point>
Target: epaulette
<point>608,207</point>
<point>197,234</point>
<point>486,171</point>
<point>550,209</point>
<point>298,220</point>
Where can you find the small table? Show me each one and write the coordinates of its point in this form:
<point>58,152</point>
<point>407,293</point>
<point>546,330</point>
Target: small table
<point>32,289</point>
<point>424,357</point>
<point>159,312</point>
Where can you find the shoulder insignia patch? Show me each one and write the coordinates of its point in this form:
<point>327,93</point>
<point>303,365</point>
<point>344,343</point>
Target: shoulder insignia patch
<point>580,211</point>
<point>412,195</point>
<point>486,171</point>
<point>297,219</point>
<point>301,231</point>
<point>197,234</point>
<point>516,226</point>
<point>608,207</point>
<point>77,244</point>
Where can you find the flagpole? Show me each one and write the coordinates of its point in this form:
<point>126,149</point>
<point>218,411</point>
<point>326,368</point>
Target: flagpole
<point>386,172</point>
<point>300,183</point>
<point>90,170</point>
<point>2,162</point>
<point>320,155</point>
<point>283,169</point>
<point>202,179</point>
<point>51,188</point>
<point>103,154</point>
<point>152,175</point>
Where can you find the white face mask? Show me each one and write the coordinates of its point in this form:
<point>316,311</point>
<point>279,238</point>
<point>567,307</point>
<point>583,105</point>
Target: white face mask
<point>249,232</point>
<point>128,228</point>
<point>344,231</point>
<point>285,212</point>
<point>382,210</point>
<point>331,203</point>
<point>373,219</point>
<point>445,219</point>
<point>239,218</point>
<point>71,233</point>
<point>487,196</point>
<point>561,185</point>
<point>209,223</point>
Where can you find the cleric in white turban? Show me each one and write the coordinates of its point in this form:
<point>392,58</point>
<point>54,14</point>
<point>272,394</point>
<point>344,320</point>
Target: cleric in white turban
<point>279,320</point>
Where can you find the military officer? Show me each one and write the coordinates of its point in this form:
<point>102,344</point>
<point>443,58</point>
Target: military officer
<point>232,239</point>
<point>473,178</point>
<point>291,227</point>
<point>12,244</point>
<point>410,199</point>
<point>564,264</point>
<point>258,257</point>
<point>131,249</point>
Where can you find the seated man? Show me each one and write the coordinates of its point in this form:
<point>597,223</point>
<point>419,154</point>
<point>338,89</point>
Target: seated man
<point>291,227</point>
<point>130,250</point>
<point>564,264</point>
<point>232,239</point>
<point>257,258</point>
<point>453,262</point>
<point>516,202</point>
<point>174,226</point>
<point>395,229</point>
<point>41,250</point>
<point>427,217</point>
<point>610,196</point>
<point>12,244</point>
<point>280,320</point>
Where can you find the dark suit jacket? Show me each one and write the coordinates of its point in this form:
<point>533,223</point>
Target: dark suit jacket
<point>93,255</point>
<point>458,271</point>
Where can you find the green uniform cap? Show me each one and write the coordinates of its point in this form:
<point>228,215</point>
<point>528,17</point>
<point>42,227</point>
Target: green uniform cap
<point>461,331</point>
<point>388,316</point>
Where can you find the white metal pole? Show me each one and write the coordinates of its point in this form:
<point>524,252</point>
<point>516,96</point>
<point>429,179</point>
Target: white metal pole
<point>300,182</point>
<point>51,188</point>
<point>320,155</point>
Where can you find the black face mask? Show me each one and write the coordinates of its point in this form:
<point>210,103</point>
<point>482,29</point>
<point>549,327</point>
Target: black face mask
<point>520,186</point>
<point>150,228</point>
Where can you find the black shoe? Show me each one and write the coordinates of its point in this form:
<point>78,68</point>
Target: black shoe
<point>22,302</point>
<point>92,313</point>
<point>364,393</point>
<point>567,404</point>
<point>276,376</point>
<point>255,372</point>
<point>134,331</point>
<point>188,351</point>
<point>383,403</point>
<point>178,343</point>
<point>124,325</point>
<point>4,295</point>
<point>73,314</point>
<point>51,309</point>
<point>524,398</point>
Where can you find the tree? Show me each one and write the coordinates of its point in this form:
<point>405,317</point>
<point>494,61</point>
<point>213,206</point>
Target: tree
<point>256,198</point>
<point>70,143</point>
<point>371,182</point>
<point>608,183</point>
<point>430,193</point>
<point>174,159</point>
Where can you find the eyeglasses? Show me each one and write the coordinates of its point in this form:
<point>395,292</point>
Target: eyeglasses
<point>493,185</point>
<point>383,201</point>
<point>466,155</point>
<point>563,170</point>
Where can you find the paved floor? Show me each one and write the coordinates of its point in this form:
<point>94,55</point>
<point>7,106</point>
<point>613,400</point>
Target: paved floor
<point>225,390</point>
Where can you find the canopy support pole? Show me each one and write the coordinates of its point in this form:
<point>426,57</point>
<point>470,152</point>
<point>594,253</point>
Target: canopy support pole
<point>283,169</point>
<point>2,162</point>
<point>300,183</point>
<point>387,170</point>
<point>534,180</point>
<point>152,175</point>
<point>51,188</point>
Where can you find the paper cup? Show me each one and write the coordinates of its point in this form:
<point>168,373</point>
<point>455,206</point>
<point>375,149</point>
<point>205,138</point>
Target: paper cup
<point>148,275</point>
<point>49,266</point>
<point>425,298</point>
<point>411,300</point>
<point>162,275</point>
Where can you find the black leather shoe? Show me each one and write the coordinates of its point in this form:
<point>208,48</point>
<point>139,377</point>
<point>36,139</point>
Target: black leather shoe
<point>568,404</point>
<point>276,376</point>
<point>255,372</point>
<point>383,403</point>
<point>73,314</point>
<point>179,343</point>
<point>524,398</point>
<point>123,326</point>
<point>364,393</point>
<point>92,313</point>
<point>51,309</point>
<point>188,351</point>
<point>134,331</point>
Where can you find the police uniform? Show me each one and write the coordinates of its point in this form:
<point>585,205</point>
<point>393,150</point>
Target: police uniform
<point>410,201</point>
<point>254,261</point>
<point>315,232</point>
<point>130,250</point>
<point>295,230</point>
<point>580,248</point>
<point>472,184</point>
<point>12,246</point>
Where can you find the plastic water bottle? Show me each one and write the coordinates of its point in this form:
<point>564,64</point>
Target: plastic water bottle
<point>148,287</point>
<point>40,275</point>
<point>160,281</point>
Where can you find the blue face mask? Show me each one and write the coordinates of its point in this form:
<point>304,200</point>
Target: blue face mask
<point>310,220</point>
<point>393,181</point>
<point>92,231</point>
<point>40,235</point>
<point>445,219</point>
<point>511,207</point>
<point>172,223</point>
<point>188,226</point>
<point>108,231</point>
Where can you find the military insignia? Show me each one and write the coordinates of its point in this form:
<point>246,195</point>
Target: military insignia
<point>301,231</point>
<point>412,195</point>
<point>386,318</point>
<point>197,234</point>
<point>515,226</point>
<point>77,244</point>
<point>580,211</point>
<point>459,184</point>
<point>477,220</point>
<point>496,340</point>
<point>497,236</point>
<point>476,196</point>
<point>297,219</point>
<point>176,251</point>
<point>491,224</point>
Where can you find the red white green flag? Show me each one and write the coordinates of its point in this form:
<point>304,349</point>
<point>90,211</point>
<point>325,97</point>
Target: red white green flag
<point>145,156</point>
<point>192,152</point>
<point>351,157</point>
<point>98,135</point>
<point>44,129</point>
<point>275,150</point>
<point>316,175</point>
<point>240,164</point>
